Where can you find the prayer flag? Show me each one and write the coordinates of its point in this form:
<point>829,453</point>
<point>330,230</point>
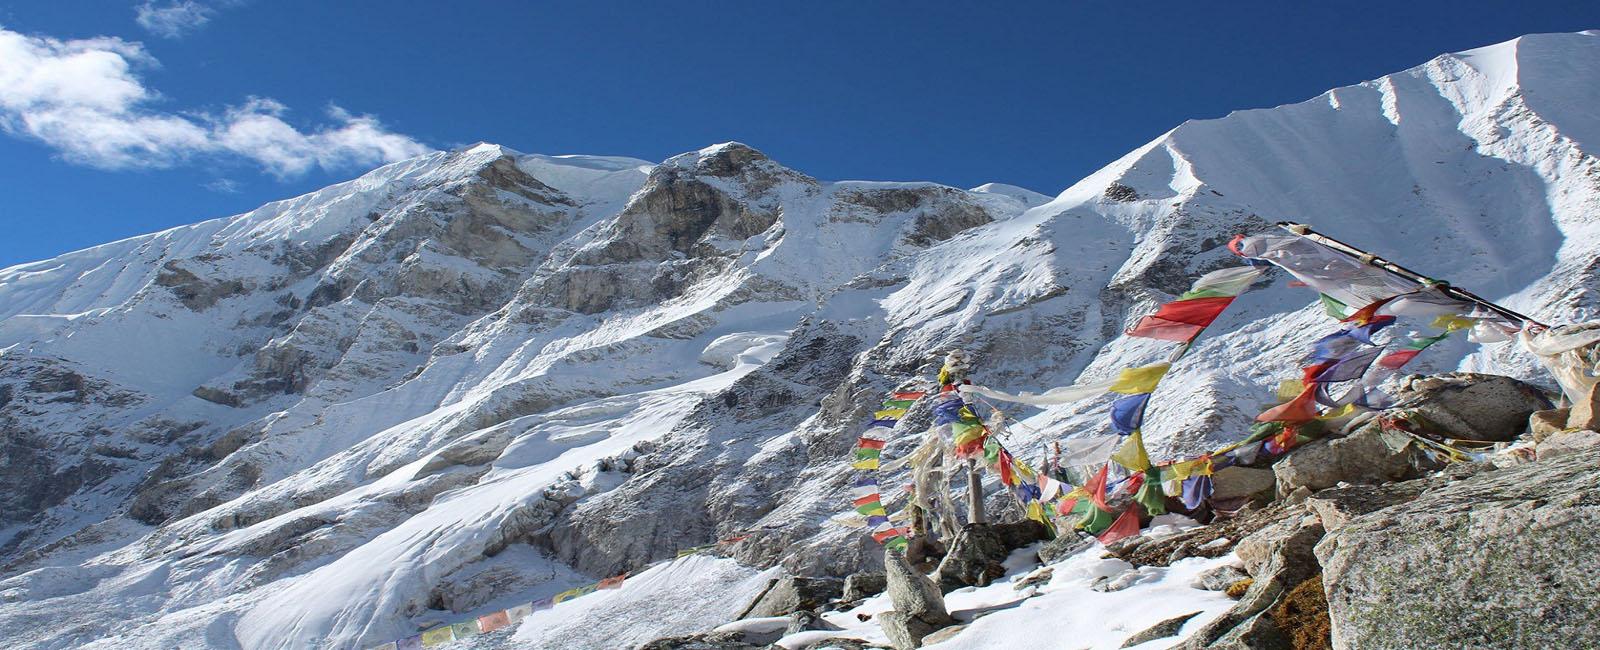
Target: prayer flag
<point>885,424</point>
<point>1181,321</point>
<point>1132,454</point>
<point>911,395</point>
<point>869,443</point>
<point>516,614</point>
<point>1127,413</point>
<point>438,636</point>
<point>1196,489</point>
<point>1150,494</point>
<point>1096,487</point>
<point>889,414</point>
<point>898,403</point>
<point>1124,527</point>
<point>1303,408</point>
<point>1133,381</point>
<point>466,629</point>
<point>1095,520</point>
<point>491,622</point>
<point>1350,367</point>
<point>865,463</point>
<point>547,603</point>
<point>873,508</point>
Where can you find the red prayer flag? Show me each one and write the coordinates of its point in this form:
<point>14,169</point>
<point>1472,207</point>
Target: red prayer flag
<point>612,582</point>
<point>1181,320</point>
<point>914,395</point>
<point>1366,314</point>
<point>1124,527</point>
<point>869,443</point>
<point>491,622</point>
<point>1394,360</point>
<point>871,498</point>
<point>1065,507</point>
<point>1096,487</point>
<point>1008,475</point>
<point>1303,408</point>
<point>886,534</point>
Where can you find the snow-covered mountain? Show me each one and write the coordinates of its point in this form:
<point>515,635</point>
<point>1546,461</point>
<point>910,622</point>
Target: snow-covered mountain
<point>480,377</point>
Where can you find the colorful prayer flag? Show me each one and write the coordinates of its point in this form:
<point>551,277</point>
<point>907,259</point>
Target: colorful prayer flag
<point>1124,527</point>
<point>438,636</point>
<point>901,404</point>
<point>910,395</point>
<point>1133,381</point>
<point>889,414</point>
<point>1181,321</point>
<point>1132,454</point>
<point>613,582</point>
<point>1127,413</point>
<point>492,622</point>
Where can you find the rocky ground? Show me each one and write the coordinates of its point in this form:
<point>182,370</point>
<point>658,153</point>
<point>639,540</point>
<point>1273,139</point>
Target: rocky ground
<point>1365,540</point>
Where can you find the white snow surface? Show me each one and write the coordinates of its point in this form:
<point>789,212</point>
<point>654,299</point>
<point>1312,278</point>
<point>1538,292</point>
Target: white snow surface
<point>476,378</point>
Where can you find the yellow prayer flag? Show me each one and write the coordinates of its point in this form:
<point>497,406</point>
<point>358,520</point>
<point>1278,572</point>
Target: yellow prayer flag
<point>1132,454</point>
<point>888,414</point>
<point>1134,381</point>
<point>1185,469</point>
<point>1289,389</point>
<point>866,463</point>
<point>438,636</point>
<point>1452,323</point>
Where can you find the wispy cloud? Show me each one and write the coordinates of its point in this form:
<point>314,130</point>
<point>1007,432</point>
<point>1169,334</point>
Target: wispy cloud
<point>173,19</point>
<point>223,186</point>
<point>85,99</point>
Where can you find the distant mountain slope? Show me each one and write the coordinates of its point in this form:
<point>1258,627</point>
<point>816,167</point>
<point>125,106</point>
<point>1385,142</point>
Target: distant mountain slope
<point>480,377</point>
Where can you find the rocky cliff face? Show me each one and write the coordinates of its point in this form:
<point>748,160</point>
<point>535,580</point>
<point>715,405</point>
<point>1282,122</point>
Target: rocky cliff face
<point>481,376</point>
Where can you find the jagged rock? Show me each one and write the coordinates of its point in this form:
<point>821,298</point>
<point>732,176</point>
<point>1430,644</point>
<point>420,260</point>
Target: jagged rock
<point>805,620</point>
<point>707,641</point>
<point>863,585</point>
<point>1290,560</point>
<point>1017,534</point>
<point>790,594</point>
<point>1543,423</point>
<point>1218,578</point>
<point>1039,577</point>
<point>975,559</point>
<point>1256,549</point>
<point>1339,505</point>
<point>1472,406</point>
<point>1069,543</point>
<point>1162,630</point>
<point>1369,455</point>
<point>1242,482</point>
<point>1566,443</point>
<point>1585,413</point>
<point>1484,562</point>
<point>919,608</point>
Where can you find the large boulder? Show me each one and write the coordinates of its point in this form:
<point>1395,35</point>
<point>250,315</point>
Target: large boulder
<point>1238,482</point>
<point>1495,560</point>
<point>1585,413</point>
<point>1472,406</point>
<point>863,584</point>
<point>1370,455</point>
<point>790,594</point>
<point>919,608</point>
<point>976,558</point>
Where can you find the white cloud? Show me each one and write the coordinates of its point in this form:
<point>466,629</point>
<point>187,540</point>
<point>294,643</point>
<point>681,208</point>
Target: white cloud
<point>222,186</point>
<point>173,19</point>
<point>85,99</point>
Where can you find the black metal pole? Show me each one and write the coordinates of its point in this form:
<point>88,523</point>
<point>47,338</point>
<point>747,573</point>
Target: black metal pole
<point>1369,259</point>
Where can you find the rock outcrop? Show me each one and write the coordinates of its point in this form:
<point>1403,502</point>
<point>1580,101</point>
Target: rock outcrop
<point>1491,561</point>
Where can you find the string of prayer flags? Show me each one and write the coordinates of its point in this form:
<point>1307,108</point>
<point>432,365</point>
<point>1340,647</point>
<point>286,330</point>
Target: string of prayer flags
<point>866,496</point>
<point>868,451</point>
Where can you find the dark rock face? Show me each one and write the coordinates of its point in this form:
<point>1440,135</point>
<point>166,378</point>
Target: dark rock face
<point>794,593</point>
<point>1415,575</point>
<point>1473,406</point>
<point>975,558</point>
<point>864,585</point>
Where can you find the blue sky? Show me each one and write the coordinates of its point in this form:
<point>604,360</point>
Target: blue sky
<point>122,118</point>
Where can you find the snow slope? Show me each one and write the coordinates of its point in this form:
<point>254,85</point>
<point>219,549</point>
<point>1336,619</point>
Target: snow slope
<point>481,377</point>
